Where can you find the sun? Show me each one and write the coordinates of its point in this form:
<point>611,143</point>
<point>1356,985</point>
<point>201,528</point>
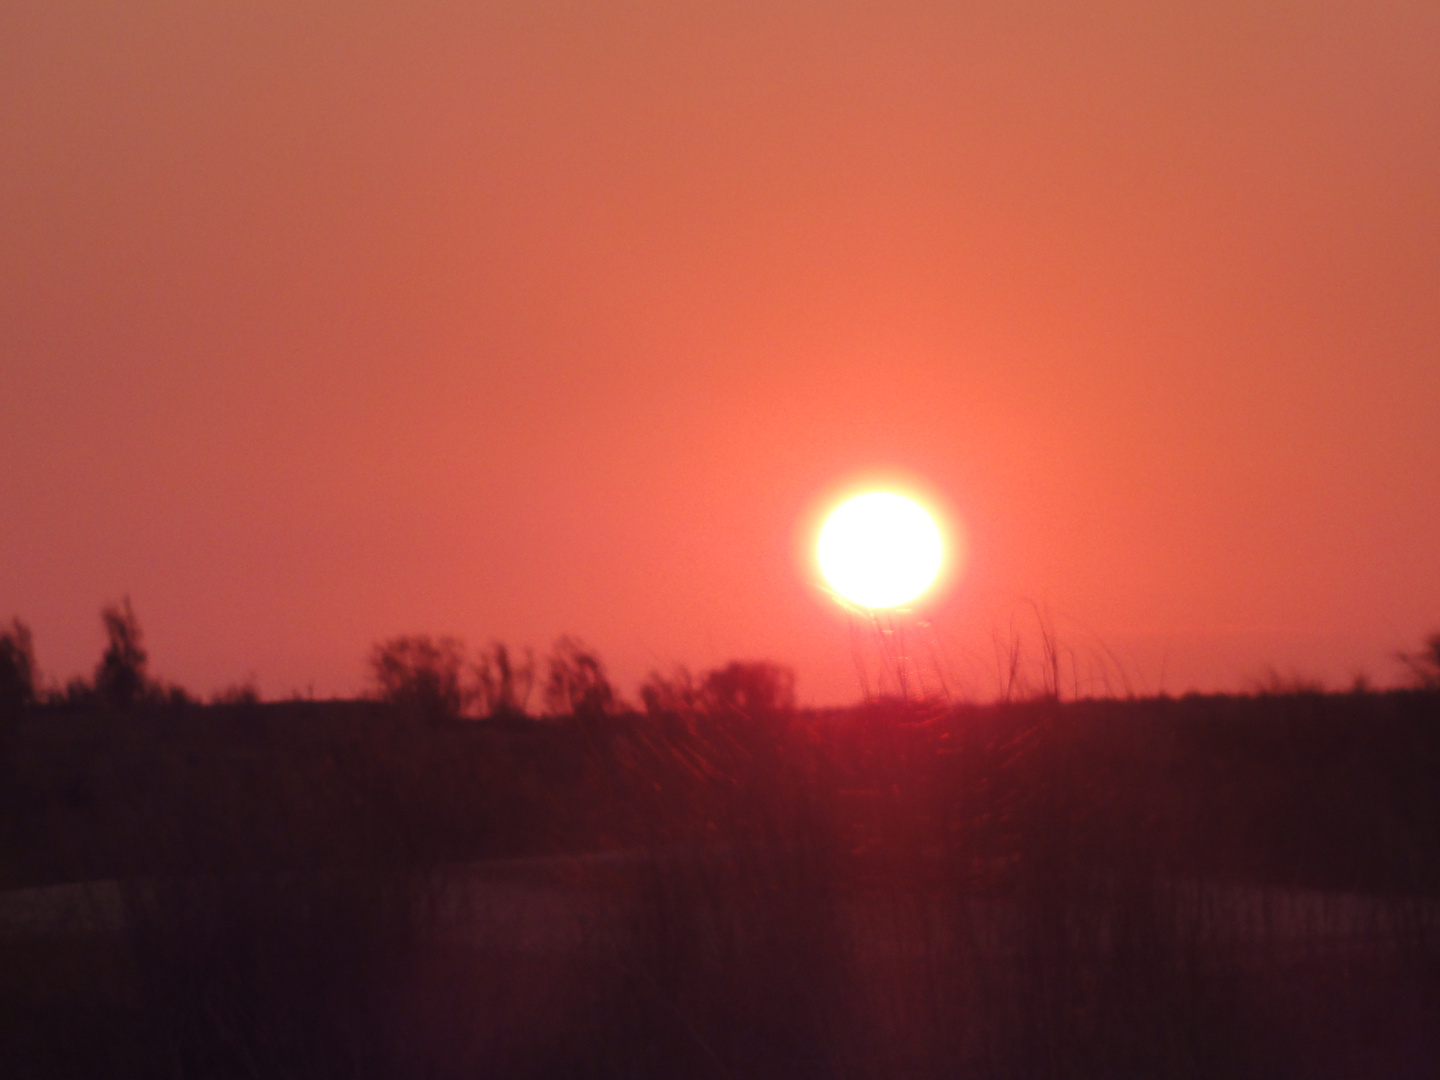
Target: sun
<point>880,550</point>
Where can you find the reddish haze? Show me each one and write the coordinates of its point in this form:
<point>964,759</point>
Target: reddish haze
<point>325,322</point>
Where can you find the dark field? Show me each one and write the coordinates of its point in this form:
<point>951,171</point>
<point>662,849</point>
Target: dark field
<point>1228,887</point>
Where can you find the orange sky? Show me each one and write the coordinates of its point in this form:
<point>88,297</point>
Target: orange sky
<point>324,322</point>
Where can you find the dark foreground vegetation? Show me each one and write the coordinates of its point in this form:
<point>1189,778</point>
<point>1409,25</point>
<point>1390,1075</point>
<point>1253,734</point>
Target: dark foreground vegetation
<point>723,887</point>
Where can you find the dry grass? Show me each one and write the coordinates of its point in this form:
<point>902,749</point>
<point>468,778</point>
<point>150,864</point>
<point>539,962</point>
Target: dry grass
<point>1206,887</point>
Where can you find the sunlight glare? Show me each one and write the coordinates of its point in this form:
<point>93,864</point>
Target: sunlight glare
<point>880,549</point>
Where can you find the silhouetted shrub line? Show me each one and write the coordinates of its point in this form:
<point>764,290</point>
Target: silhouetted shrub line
<point>722,885</point>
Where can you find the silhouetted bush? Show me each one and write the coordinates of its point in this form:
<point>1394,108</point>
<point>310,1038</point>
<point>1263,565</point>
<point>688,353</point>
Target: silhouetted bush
<point>17,668</point>
<point>674,694</point>
<point>748,687</point>
<point>244,693</point>
<point>1424,666</point>
<point>120,679</point>
<point>576,683</point>
<point>502,686</point>
<point>754,688</point>
<point>420,674</point>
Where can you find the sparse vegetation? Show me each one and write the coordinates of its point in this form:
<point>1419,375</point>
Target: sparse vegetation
<point>576,683</point>
<point>1424,665</point>
<point>503,684</point>
<point>420,674</point>
<point>17,668</point>
<point>726,885</point>
<point>747,687</point>
<point>121,679</point>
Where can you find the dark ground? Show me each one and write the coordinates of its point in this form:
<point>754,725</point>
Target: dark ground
<point>1195,887</point>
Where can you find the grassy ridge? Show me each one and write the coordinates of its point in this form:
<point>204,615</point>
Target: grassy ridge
<point>1334,791</point>
<point>1039,889</point>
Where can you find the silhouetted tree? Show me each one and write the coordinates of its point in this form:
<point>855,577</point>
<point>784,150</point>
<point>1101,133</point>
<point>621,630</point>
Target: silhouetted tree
<point>664,695</point>
<point>576,682</point>
<point>502,687</point>
<point>750,687</point>
<point>17,668</point>
<point>1425,665</point>
<point>420,673</point>
<point>120,679</point>
<point>244,693</point>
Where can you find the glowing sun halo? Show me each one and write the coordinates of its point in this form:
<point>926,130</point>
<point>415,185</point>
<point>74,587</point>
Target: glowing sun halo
<point>879,550</point>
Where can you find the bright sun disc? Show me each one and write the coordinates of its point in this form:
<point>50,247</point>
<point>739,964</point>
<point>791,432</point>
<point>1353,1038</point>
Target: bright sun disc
<point>880,550</point>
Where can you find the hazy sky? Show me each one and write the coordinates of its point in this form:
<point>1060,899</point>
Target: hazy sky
<point>322,322</point>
